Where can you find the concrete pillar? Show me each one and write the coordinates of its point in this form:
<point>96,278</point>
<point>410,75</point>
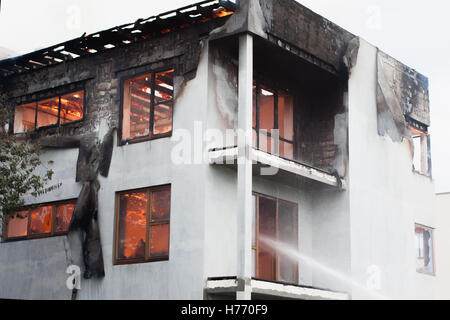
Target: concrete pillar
<point>244,188</point>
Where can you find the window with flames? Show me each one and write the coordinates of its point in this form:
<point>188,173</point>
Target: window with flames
<point>147,106</point>
<point>142,225</point>
<point>50,112</point>
<point>42,221</point>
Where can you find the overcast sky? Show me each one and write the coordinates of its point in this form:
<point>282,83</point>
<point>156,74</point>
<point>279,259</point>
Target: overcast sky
<point>416,32</point>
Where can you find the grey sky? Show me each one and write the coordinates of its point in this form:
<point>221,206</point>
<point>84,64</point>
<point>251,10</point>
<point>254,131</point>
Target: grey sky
<point>414,32</point>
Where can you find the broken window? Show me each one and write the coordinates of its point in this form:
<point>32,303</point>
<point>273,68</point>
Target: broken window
<point>420,140</point>
<point>49,112</point>
<point>147,106</point>
<point>424,249</point>
<point>274,220</point>
<point>40,221</point>
<point>143,223</point>
<point>273,110</point>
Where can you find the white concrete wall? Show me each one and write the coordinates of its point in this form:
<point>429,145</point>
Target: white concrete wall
<point>221,183</point>
<point>386,197</point>
<point>331,238</point>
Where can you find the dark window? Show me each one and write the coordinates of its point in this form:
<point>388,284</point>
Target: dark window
<point>273,110</point>
<point>40,221</point>
<point>49,112</point>
<point>421,151</point>
<point>424,249</point>
<point>275,220</point>
<point>142,225</point>
<point>147,108</point>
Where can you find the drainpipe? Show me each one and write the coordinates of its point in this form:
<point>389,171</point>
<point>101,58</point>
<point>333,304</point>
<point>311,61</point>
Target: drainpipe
<point>244,187</point>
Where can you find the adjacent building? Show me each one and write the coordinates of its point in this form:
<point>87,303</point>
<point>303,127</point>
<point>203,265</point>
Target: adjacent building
<point>443,244</point>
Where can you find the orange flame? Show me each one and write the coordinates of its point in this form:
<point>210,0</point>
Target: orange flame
<point>222,13</point>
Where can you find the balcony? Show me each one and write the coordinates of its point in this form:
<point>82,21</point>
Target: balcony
<point>226,288</point>
<point>277,168</point>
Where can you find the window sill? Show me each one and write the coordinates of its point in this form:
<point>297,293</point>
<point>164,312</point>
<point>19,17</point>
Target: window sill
<point>32,134</point>
<point>426,175</point>
<point>269,289</point>
<point>35,237</point>
<point>140,261</point>
<point>143,139</point>
<point>431,274</point>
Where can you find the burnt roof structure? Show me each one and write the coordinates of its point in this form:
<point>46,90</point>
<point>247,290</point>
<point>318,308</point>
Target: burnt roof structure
<point>118,36</point>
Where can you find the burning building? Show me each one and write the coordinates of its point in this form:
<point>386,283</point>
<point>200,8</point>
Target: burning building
<point>223,150</point>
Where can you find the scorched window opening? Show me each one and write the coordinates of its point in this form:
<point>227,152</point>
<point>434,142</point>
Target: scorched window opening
<point>41,221</point>
<point>147,106</point>
<point>50,112</point>
<point>142,225</point>
<point>273,109</point>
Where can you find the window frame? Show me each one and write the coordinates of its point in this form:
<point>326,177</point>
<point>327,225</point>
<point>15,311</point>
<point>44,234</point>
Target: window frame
<point>121,141</point>
<point>29,208</point>
<point>258,83</point>
<point>256,247</point>
<point>47,97</point>
<point>433,260</point>
<point>420,131</point>
<point>149,224</point>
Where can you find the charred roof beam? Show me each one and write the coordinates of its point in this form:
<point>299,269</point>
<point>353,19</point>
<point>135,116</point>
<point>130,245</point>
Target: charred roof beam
<point>118,36</point>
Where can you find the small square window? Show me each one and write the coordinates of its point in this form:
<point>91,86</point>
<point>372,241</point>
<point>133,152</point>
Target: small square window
<point>424,249</point>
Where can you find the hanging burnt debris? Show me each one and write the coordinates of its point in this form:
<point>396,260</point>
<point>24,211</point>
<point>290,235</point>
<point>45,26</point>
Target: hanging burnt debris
<point>402,99</point>
<point>94,158</point>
